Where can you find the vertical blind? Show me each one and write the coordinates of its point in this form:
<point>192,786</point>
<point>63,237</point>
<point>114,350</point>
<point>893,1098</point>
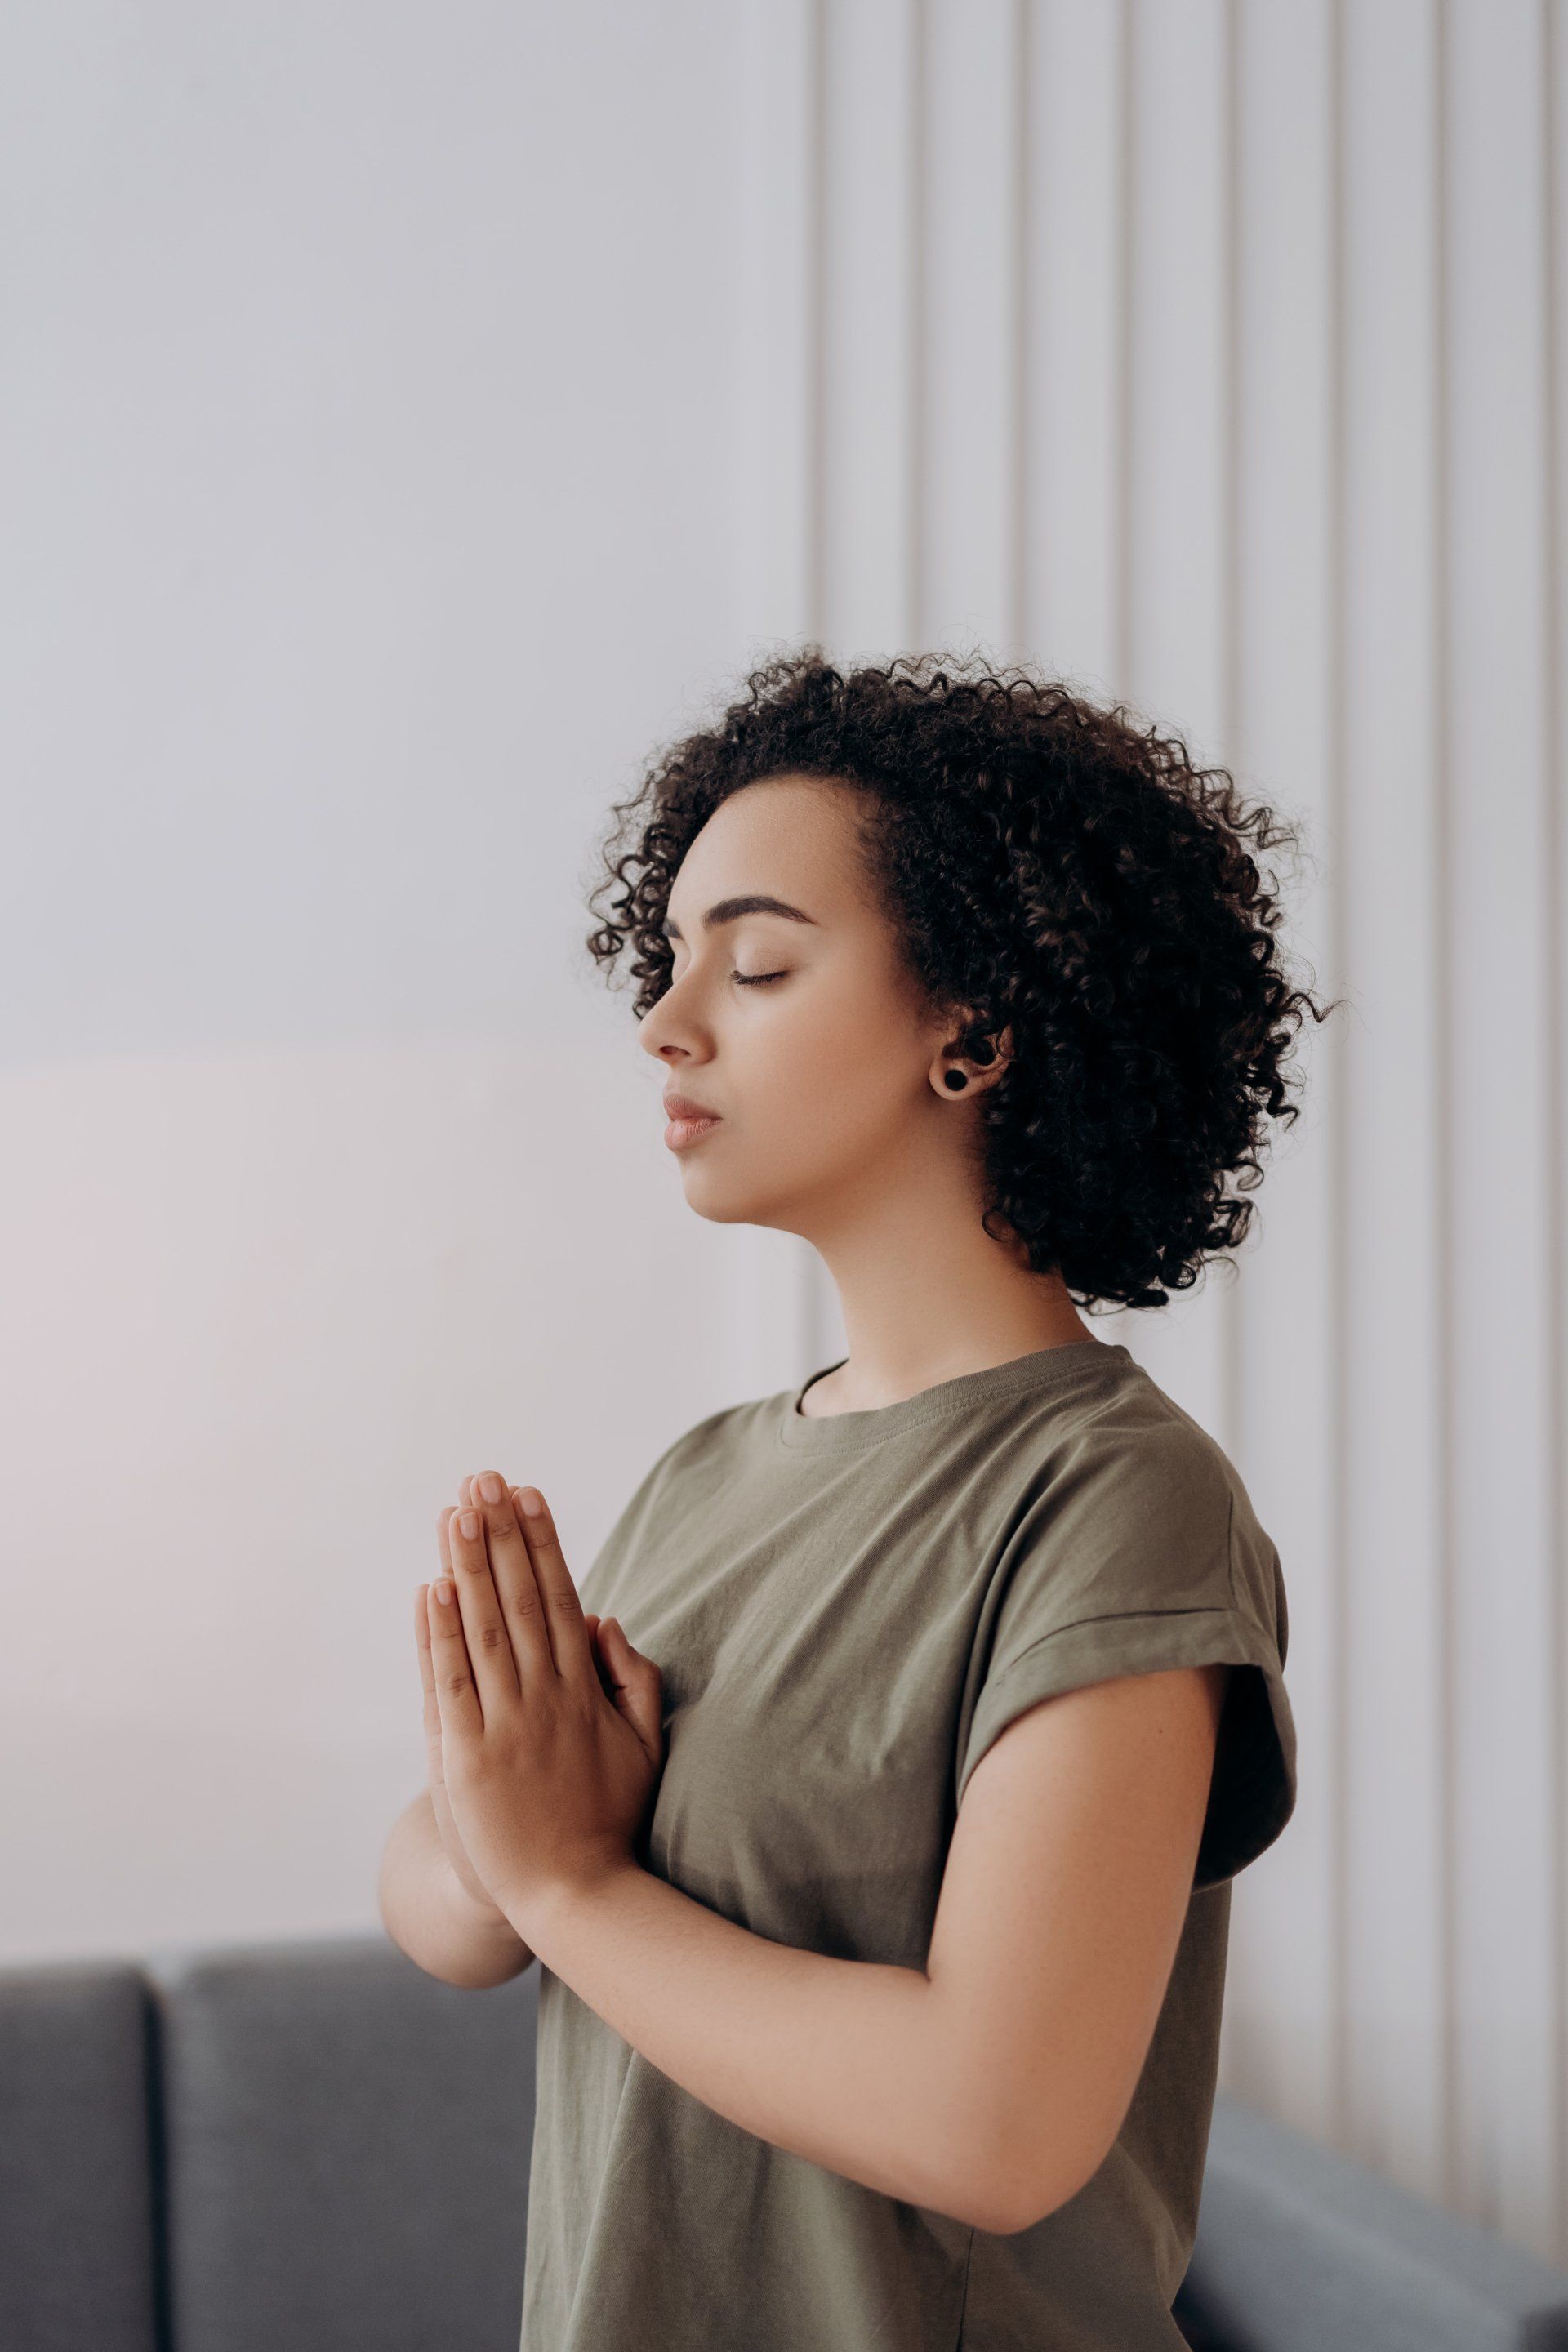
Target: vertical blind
<point>1209,354</point>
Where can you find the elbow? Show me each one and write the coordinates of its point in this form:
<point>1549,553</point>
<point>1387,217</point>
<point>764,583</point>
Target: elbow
<point>1008,2182</point>
<point>1009,2205</point>
<point>1009,2214</point>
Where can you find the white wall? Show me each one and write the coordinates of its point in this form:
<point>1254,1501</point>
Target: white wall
<point>414,421</point>
<point>371,477</point>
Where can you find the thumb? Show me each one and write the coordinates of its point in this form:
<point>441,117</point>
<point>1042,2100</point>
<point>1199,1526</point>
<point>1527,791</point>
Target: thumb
<point>590,1618</point>
<point>637,1686</point>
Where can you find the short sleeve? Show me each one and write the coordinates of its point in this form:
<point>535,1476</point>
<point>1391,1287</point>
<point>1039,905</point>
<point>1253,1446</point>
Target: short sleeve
<point>1166,1534</point>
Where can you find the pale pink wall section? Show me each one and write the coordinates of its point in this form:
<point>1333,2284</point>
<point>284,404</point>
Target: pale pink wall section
<point>262,1312</point>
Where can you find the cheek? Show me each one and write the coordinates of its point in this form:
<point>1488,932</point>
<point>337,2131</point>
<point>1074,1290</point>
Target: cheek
<point>827,1072</point>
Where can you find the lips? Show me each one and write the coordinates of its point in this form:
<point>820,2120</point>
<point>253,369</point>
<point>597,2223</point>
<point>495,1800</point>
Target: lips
<point>688,1121</point>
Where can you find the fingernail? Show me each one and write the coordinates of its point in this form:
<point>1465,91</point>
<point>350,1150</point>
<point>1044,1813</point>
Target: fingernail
<point>470,1523</point>
<point>489,1487</point>
<point>532,1502</point>
<point>444,1590</point>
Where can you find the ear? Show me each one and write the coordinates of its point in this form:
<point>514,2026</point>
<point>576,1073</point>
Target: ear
<point>979,1055</point>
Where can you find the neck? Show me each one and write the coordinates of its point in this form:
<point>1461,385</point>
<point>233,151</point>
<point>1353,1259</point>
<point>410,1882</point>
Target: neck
<point>927,1294</point>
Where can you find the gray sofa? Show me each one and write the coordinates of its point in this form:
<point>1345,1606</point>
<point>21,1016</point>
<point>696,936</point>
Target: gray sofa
<point>318,2145</point>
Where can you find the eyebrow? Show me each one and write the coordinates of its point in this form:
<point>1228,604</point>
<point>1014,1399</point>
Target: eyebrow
<point>729,910</point>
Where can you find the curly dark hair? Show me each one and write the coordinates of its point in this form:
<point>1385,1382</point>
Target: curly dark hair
<point>1054,869</point>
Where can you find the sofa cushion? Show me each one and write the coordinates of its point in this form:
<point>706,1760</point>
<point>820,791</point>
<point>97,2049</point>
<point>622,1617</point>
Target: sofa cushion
<point>348,2144</point>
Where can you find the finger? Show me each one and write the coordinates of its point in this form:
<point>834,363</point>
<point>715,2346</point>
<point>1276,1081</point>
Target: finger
<point>491,1658</point>
<point>432,1717</point>
<point>563,1608</point>
<point>591,1620</point>
<point>590,1626</point>
<point>456,1698</point>
<point>637,1686</point>
<point>422,1640</point>
<point>444,1546</point>
<point>519,1599</point>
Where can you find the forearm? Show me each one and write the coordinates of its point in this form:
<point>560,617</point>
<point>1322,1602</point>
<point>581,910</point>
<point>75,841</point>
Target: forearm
<point>854,2065</point>
<point>429,1913</point>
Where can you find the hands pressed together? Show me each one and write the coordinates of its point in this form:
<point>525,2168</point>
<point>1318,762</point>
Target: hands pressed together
<point>543,1726</point>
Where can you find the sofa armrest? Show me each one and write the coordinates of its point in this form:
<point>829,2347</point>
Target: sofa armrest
<point>78,2225</point>
<point>1300,2249</point>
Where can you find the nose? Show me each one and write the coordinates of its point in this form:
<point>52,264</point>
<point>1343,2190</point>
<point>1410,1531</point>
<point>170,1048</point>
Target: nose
<point>651,1035</point>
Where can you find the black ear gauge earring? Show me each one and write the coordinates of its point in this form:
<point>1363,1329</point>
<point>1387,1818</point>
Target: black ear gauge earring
<point>984,1054</point>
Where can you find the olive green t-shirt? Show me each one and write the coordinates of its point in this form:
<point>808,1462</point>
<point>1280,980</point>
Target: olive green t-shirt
<point>848,1611</point>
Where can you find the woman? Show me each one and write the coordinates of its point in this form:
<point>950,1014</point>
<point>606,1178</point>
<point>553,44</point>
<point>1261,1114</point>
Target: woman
<point>875,1828</point>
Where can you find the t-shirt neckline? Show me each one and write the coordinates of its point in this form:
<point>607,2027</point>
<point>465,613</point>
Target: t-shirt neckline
<point>842,1432</point>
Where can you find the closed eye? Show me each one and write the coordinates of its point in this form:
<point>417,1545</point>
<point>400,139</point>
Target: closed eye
<point>756,979</point>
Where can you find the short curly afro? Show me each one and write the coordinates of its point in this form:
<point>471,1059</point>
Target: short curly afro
<point>1054,870</point>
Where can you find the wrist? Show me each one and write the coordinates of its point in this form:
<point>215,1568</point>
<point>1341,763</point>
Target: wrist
<point>482,1912</point>
<point>549,1914</point>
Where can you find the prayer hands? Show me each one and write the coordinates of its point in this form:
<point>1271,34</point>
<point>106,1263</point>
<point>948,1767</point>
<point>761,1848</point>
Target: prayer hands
<point>545,1726</point>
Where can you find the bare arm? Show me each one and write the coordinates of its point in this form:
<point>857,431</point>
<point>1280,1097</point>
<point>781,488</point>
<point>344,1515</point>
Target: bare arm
<point>430,1914</point>
<point>990,2084</point>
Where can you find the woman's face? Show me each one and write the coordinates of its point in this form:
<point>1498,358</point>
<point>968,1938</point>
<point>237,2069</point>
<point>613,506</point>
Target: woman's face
<point>806,1034</point>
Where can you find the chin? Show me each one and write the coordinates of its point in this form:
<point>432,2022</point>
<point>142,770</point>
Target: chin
<point>725,1202</point>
